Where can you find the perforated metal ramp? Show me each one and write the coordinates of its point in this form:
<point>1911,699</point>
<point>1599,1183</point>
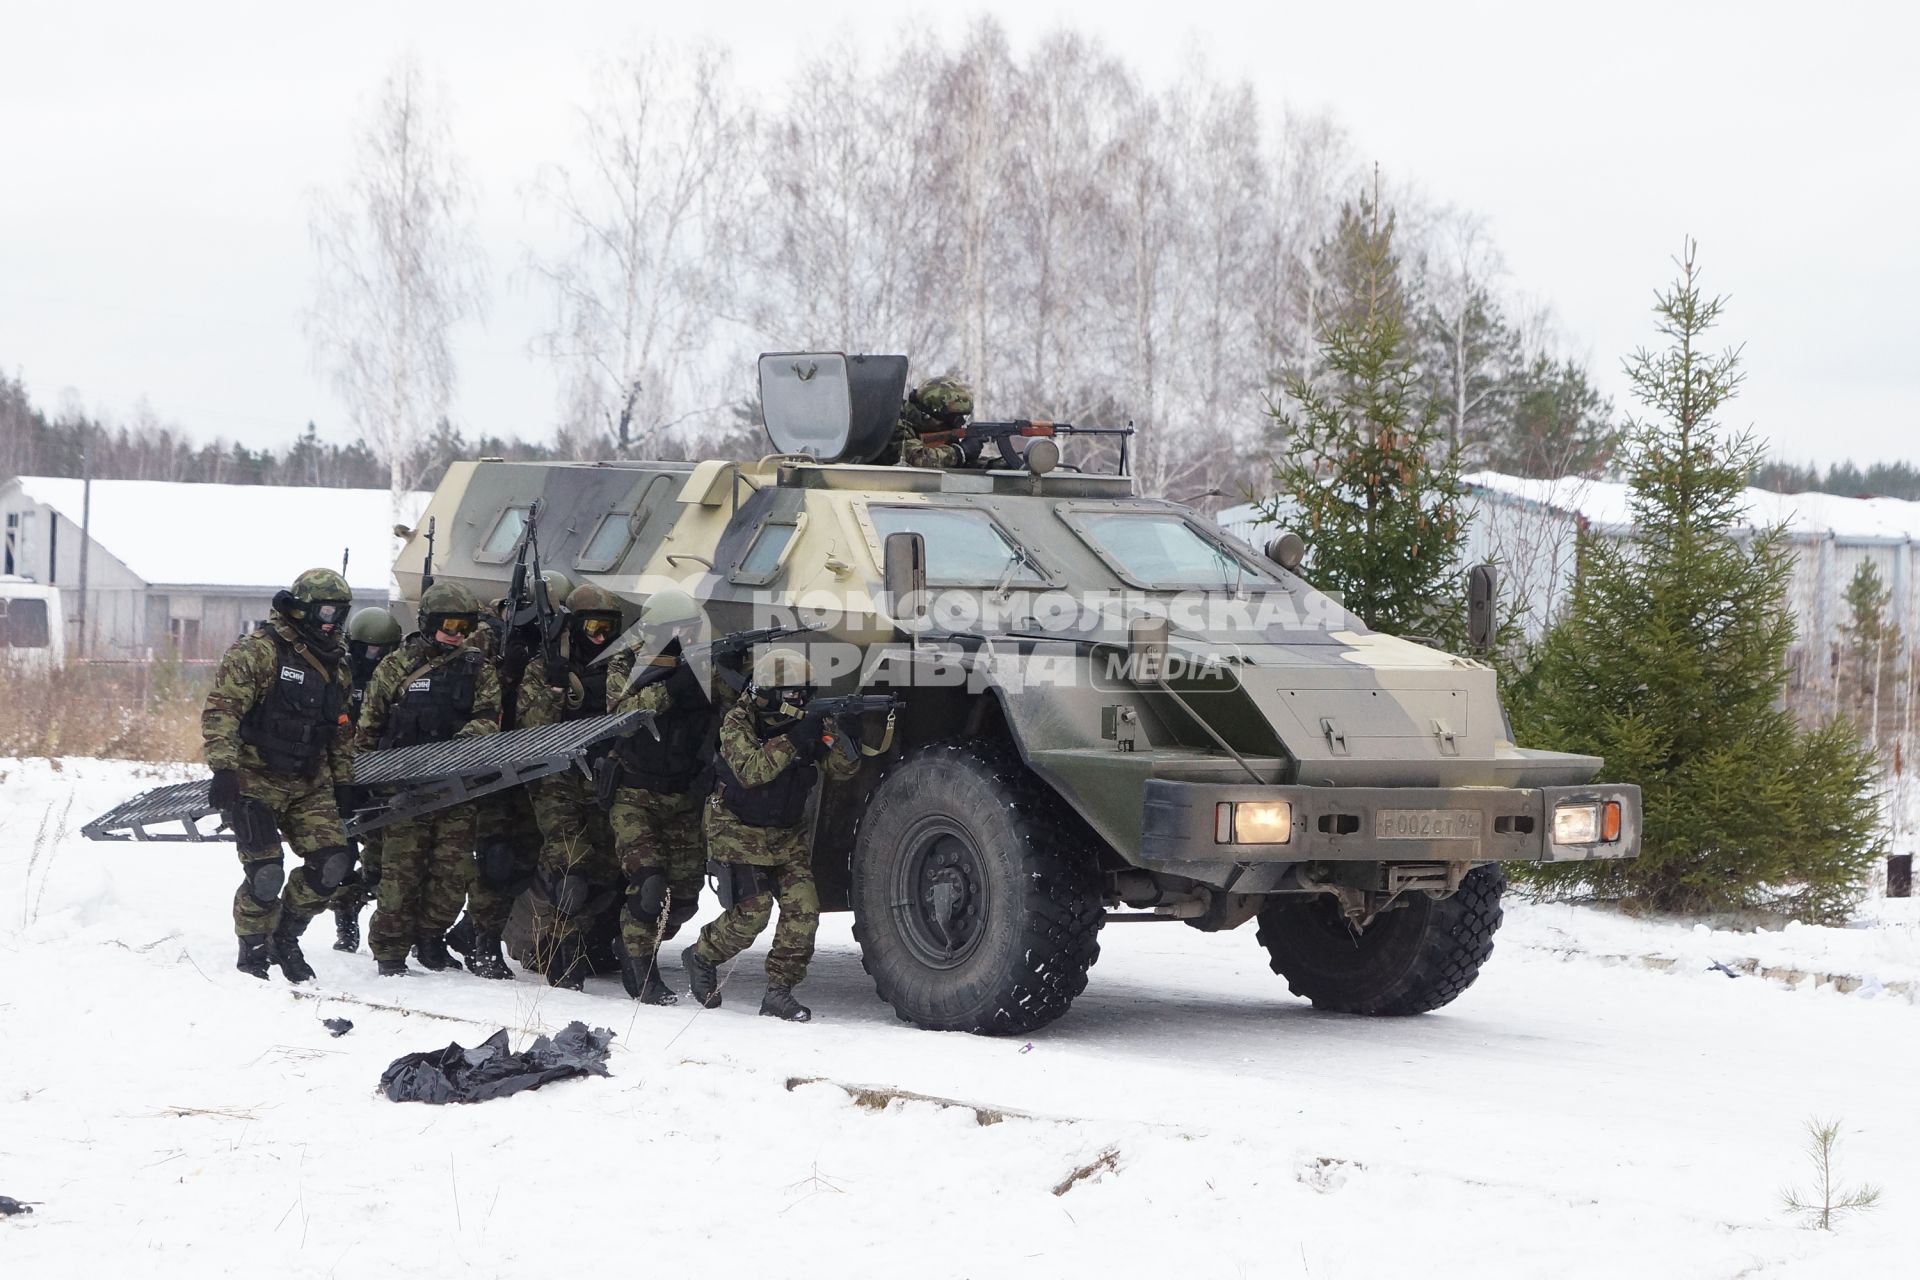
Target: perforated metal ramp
<point>182,802</point>
<point>409,782</point>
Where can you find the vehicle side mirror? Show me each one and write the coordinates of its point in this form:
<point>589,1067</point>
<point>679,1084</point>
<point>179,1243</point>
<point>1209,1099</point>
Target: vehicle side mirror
<point>905,571</point>
<point>1147,648</point>
<point>1287,550</point>
<point>1483,585</point>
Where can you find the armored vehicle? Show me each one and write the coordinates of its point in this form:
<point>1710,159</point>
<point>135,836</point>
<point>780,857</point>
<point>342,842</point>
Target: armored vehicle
<point>1107,709</point>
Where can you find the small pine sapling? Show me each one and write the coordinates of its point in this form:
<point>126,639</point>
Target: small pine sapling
<point>1825,1201</point>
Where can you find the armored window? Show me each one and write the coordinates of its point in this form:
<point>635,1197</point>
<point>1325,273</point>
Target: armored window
<point>23,624</point>
<point>964,548</point>
<point>762,561</point>
<point>1152,549</point>
<point>607,544</point>
<point>504,539</point>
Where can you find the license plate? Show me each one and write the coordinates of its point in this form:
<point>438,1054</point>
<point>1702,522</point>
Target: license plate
<point>1427,824</point>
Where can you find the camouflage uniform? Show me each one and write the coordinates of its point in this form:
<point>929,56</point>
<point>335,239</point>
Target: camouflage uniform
<point>657,834</point>
<point>939,404</point>
<point>428,860</point>
<point>782,855</point>
<point>578,875</point>
<point>277,804</point>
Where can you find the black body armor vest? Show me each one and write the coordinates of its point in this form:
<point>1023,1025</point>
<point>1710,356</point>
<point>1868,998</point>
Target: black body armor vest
<point>683,756</point>
<point>780,803</point>
<point>293,725</point>
<point>435,704</point>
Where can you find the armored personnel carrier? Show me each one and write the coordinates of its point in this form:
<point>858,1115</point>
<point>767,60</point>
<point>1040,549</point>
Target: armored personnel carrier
<point>1108,709</point>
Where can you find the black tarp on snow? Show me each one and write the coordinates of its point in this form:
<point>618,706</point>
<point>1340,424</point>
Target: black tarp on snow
<point>489,1070</point>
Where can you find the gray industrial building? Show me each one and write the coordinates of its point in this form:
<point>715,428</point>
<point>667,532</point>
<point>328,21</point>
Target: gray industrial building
<point>188,567</point>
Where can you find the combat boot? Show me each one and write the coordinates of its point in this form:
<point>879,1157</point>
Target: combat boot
<point>346,928</point>
<point>253,955</point>
<point>641,978</point>
<point>568,965</point>
<point>283,949</point>
<point>396,968</point>
<point>484,959</point>
<point>703,977</point>
<point>779,1003</point>
<point>431,948</point>
<point>462,938</point>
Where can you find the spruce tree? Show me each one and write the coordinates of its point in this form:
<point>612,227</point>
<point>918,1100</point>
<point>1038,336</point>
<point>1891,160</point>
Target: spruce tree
<point>1365,476</point>
<point>1671,662</point>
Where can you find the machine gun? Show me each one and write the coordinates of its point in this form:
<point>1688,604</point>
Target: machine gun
<point>826,712</point>
<point>1004,434</point>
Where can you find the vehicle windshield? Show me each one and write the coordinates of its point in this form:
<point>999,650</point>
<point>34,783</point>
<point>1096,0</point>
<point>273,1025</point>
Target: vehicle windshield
<point>962,546</point>
<point>1164,550</point>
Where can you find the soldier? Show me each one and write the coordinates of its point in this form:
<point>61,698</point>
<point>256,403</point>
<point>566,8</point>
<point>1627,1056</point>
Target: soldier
<point>508,850</point>
<point>656,809</point>
<point>279,743</point>
<point>578,877</point>
<point>938,404</point>
<point>371,635</point>
<point>770,756</point>
<point>435,687</point>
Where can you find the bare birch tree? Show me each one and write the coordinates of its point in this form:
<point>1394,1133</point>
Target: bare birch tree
<point>650,216</point>
<point>397,268</point>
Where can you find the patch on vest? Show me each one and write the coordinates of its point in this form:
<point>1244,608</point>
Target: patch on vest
<point>421,685</point>
<point>293,674</point>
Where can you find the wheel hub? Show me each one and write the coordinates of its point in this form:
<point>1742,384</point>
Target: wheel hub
<point>940,899</point>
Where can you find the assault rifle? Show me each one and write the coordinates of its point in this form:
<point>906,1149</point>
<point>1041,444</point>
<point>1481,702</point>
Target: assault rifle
<point>426,567</point>
<point>544,614</point>
<point>825,712</point>
<point>1003,434</point>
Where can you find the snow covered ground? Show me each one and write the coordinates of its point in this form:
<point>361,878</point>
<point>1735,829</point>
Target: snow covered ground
<point>1603,1103</point>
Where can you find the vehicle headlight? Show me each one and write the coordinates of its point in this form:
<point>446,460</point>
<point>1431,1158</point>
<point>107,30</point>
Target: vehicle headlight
<point>1591,822</point>
<point>1253,822</point>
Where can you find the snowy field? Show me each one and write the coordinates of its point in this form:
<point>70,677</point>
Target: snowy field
<point>1605,1102</point>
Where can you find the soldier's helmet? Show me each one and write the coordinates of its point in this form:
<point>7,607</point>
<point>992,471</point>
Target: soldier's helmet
<point>782,676</point>
<point>594,617</point>
<point>559,586</point>
<point>374,626</point>
<point>668,609</point>
<point>945,395</point>
<point>317,604</point>
<point>451,608</point>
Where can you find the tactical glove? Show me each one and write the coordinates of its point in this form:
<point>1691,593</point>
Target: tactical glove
<point>224,792</point>
<point>971,447</point>
<point>807,746</point>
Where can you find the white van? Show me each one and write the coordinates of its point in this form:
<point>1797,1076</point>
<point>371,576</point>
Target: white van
<point>33,635</point>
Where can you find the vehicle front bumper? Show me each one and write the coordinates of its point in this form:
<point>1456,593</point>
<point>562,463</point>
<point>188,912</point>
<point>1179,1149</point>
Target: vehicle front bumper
<point>1370,824</point>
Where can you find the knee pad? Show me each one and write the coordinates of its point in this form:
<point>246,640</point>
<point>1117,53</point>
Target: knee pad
<point>495,863</point>
<point>682,909</point>
<point>255,830</point>
<point>649,896</point>
<point>263,882</point>
<point>571,893</point>
<point>327,869</point>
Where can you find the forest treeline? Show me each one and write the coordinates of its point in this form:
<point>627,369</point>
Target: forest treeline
<point>1076,242</point>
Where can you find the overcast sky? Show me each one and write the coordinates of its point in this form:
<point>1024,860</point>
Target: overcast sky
<point>158,160</point>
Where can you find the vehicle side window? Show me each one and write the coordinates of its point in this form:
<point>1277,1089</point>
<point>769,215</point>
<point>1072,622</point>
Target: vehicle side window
<point>23,624</point>
<point>504,538</point>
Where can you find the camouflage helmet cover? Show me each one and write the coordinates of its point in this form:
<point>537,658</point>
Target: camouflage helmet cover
<point>782,669</point>
<point>444,598</point>
<point>321,584</point>
<point>588,598</point>
<point>559,585</point>
<point>945,394</point>
<point>376,625</point>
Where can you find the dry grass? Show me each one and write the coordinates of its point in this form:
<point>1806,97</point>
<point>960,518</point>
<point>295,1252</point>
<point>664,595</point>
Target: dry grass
<point>131,712</point>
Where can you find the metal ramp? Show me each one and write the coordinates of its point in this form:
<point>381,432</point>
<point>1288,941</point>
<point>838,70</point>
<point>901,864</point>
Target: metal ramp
<point>408,782</point>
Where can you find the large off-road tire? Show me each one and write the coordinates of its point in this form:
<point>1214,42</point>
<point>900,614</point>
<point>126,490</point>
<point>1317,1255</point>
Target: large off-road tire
<point>1409,960</point>
<point>976,896</point>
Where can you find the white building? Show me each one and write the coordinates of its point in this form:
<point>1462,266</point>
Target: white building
<point>189,566</point>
